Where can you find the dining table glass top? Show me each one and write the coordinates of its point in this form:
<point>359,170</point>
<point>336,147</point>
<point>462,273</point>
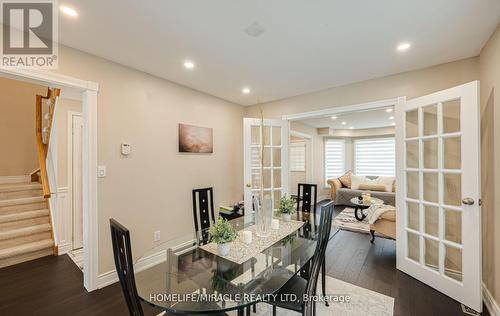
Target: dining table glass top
<point>181,277</point>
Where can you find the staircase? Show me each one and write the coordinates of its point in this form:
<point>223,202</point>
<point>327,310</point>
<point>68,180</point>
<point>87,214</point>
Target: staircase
<point>25,229</point>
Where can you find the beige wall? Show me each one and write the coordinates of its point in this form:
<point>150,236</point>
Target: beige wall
<point>410,84</point>
<point>151,189</point>
<point>17,127</point>
<point>63,107</point>
<point>489,62</point>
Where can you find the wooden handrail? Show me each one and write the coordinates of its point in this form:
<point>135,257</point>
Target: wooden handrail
<point>43,148</point>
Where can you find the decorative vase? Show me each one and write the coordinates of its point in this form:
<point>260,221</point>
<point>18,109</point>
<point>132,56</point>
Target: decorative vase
<point>224,248</point>
<point>286,217</point>
<point>263,216</point>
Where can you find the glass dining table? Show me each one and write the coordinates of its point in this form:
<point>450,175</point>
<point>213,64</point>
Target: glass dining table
<point>181,276</point>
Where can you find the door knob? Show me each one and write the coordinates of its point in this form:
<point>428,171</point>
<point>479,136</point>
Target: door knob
<point>468,201</point>
<point>249,185</point>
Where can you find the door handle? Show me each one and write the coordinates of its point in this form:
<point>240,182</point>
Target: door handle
<point>468,201</point>
<point>249,185</point>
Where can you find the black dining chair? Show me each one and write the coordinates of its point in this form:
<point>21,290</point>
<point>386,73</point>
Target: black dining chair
<point>120,237</point>
<point>307,197</point>
<point>203,211</point>
<point>300,286</point>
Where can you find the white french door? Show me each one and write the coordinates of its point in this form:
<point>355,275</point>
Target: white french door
<point>273,135</point>
<point>438,192</point>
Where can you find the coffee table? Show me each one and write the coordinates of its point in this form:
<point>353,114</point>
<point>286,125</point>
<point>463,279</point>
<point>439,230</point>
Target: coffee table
<point>359,206</point>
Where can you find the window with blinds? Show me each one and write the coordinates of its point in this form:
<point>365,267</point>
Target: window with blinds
<point>334,158</point>
<point>375,157</point>
<point>297,157</point>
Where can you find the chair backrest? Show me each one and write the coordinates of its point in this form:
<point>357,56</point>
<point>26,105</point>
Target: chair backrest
<point>120,238</point>
<point>203,210</point>
<point>325,227</point>
<point>307,197</point>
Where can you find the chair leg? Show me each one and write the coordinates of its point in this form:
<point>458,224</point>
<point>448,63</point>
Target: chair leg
<point>274,310</point>
<point>248,310</point>
<point>241,312</point>
<point>254,308</point>
<point>323,280</point>
<point>372,232</point>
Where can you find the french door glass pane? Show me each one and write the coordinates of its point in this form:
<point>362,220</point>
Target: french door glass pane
<point>451,116</point>
<point>453,226</point>
<point>256,178</point>
<point>277,178</point>
<point>267,157</point>
<point>431,187</point>
<point>266,174</point>
<point>431,254</point>
<point>412,154</point>
<point>413,246</point>
<point>431,220</point>
<point>255,134</point>
<point>412,182</point>
<point>453,262</point>
<point>431,153</point>
<point>452,189</point>
<point>276,157</point>
<point>452,153</point>
<point>276,136</point>
<point>266,135</point>
<point>255,157</point>
<point>413,216</point>
<point>277,198</point>
<point>430,120</point>
<point>412,124</point>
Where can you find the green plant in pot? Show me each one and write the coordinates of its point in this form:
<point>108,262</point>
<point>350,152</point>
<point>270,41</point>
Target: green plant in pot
<point>223,234</point>
<point>287,208</point>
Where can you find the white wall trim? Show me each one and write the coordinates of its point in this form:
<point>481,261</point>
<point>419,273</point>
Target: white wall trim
<point>88,89</point>
<point>15,179</point>
<point>341,109</point>
<point>489,302</point>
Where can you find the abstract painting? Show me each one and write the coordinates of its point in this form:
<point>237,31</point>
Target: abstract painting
<point>195,139</point>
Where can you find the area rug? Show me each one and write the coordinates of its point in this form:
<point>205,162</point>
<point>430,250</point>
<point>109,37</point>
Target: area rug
<point>362,302</point>
<point>347,221</point>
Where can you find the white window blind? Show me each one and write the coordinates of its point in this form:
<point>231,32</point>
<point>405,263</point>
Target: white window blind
<point>334,158</point>
<point>297,157</point>
<point>375,157</point>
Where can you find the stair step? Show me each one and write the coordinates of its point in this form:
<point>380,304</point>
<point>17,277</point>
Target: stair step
<point>26,257</point>
<point>25,239</point>
<point>25,248</point>
<point>24,231</point>
<point>21,201</point>
<point>22,223</point>
<point>12,187</point>
<point>23,215</point>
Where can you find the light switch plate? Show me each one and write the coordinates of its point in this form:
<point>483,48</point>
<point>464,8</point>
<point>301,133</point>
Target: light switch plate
<point>157,236</point>
<point>101,171</point>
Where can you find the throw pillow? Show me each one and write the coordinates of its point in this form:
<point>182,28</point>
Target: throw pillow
<point>346,179</point>
<point>356,181</point>
<point>372,187</point>
<point>387,182</point>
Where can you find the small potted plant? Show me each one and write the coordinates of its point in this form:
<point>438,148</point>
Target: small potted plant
<point>222,233</point>
<point>287,208</point>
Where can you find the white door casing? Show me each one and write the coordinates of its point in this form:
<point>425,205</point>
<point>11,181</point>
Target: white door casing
<point>438,175</point>
<point>76,181</point>
<point>274,134</point>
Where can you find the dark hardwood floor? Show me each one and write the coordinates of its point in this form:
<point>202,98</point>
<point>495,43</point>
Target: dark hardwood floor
<point>53,286</point>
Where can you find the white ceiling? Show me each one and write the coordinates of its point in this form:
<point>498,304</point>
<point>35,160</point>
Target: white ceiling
<point>306,46</point>
<point>358,120</point>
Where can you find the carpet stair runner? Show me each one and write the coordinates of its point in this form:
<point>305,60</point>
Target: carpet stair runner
<point>25,229</point>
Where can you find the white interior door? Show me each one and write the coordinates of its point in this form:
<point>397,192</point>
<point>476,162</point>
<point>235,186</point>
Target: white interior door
<point>438,176</point>
<point>76,185</point>
<point>273,135</point>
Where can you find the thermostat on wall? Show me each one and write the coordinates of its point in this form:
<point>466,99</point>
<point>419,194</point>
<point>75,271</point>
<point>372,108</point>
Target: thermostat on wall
<point>126,149</point>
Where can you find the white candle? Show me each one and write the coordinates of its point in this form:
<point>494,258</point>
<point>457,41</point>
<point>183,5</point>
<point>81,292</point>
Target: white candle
<point>275,224</point>
<point>247,237</point>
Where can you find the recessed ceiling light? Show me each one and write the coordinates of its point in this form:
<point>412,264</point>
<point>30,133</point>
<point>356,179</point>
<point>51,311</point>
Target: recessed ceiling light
<point>403,46</point>
<point>334,117</point>
<point>245,90</point>
<point>391,117</point>
<point>393,124</point>
<point>68,11</point>
<point>188,64</point>
<point>388,110</point>
<point>351,127</point>
<point>344,123</point>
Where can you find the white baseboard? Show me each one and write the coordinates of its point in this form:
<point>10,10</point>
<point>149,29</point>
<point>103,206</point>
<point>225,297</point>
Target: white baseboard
<point>64,248</point>
<point>490,302</point>
<point>110,277</point>
<point>14,179</point>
